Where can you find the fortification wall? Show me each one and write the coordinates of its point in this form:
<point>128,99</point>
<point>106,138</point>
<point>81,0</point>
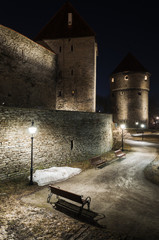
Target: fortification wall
<point>27,72</point>
<point>131,106</point>
<point>76,83</point>
<point>135,80</point>
<point>62,137</point>
<point>130,98</point>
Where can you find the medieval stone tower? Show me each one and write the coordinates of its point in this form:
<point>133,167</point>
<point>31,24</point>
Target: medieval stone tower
<point>74,44</point>
<point>129,92</point>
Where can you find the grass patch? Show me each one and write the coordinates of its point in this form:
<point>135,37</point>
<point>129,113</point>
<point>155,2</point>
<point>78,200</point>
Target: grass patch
<point>17,187</point>
<point>85,164</point>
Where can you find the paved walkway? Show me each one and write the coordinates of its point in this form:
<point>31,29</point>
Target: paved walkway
<point>120,191</point>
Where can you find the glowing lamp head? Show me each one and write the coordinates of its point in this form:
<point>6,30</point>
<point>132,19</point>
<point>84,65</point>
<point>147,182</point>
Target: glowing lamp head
<point>32,129</point>
<point>142,125</point>
<point>137,123</point>
<point>123,126</point>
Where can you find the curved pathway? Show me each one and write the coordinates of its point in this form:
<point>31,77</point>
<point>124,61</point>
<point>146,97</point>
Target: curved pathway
<point>121,192</point>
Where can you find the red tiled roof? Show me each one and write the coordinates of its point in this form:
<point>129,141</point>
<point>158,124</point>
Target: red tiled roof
<point>130,63</point>
<point>58,25</point>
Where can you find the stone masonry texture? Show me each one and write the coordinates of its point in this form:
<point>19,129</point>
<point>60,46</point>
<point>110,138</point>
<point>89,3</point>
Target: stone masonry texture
<point>76,73</point>
<point>27,72</point>
<point>130,98</point>
<point>62,137</point>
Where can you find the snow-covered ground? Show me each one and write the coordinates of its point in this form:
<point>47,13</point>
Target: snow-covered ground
<point>54,174</point>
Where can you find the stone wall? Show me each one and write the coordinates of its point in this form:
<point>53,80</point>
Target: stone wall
<point>76,73</point>
<point>27,72</point>
<point>131,106</point>
<point>62,137</point>
<point>130,98</point>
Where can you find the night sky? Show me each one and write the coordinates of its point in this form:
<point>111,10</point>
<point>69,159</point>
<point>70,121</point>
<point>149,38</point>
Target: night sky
<point>119,30</point>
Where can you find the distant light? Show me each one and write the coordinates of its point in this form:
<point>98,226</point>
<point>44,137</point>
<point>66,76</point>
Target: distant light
<point>145,77</point>
<point>112,79</point>
<point>142,125</point>
<point>157,118</point>
<point>136,123</point>
<point>123,126</point>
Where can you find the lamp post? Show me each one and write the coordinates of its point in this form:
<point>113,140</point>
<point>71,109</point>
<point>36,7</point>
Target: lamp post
<point>142,126</point>
<point>32,131</point>
<point>122,127</point>
<point>137,124</point>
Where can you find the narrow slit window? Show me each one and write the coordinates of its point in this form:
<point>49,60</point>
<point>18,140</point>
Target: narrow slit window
<point>60,49</point>
<point>60,74</point>
<point>71,144</point>
<point>146,78</point>
<point>112,80</point>
<point>69,19</point>
<point>60,94</point>
<point>72,72</point>
<point>71,48</point>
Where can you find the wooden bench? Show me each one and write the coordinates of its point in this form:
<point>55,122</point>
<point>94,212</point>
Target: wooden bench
<point>119,153</point>
<point>69,195</point>
<point>97,161</point>
<point>139,131</point>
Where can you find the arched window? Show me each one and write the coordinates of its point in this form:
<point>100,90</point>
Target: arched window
<point>126,77</point>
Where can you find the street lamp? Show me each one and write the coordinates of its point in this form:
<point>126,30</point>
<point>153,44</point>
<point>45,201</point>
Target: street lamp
<point>137,124</point>
<point>32,131</point>
<point>142,126</point>
<point>122,127</point>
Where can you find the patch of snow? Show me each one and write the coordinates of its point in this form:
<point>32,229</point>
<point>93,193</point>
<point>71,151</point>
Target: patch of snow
<point>54,174</point>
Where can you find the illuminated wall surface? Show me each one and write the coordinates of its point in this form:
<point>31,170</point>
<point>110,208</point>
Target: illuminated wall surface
<point>27,72</point>
<point>62,137</point>
<point>76,73</point>
<point>130,92</point>
<point>33,76</point>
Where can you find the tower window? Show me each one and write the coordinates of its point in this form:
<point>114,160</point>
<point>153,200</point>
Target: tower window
<point>59,94</point>
<point>72,72</point>
<point>71,48</point>
<point>60,49</point>
<point>69,19</point>
<point>126,77</point>
<point>60,74</point>
<point>112,80</point>
<point>146,77</point>
<point>71,144</point>
<point>73,92</point>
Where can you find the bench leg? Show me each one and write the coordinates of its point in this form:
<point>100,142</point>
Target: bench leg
<point>80,211</point>
<point>88,201</point>
<point>49,197</point>
<point>88,205</point>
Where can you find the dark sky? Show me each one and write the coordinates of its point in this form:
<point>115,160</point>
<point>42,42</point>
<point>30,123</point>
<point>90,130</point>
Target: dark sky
<point>119,30</point>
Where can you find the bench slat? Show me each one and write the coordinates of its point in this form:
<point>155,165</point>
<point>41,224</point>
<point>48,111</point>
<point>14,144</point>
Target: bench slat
<point>97,161</point>
<point>65,194</point>
<point>119,153</point>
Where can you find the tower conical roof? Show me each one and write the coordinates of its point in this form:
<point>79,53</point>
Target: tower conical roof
<point>130,63</point>
<point>58,25</point>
